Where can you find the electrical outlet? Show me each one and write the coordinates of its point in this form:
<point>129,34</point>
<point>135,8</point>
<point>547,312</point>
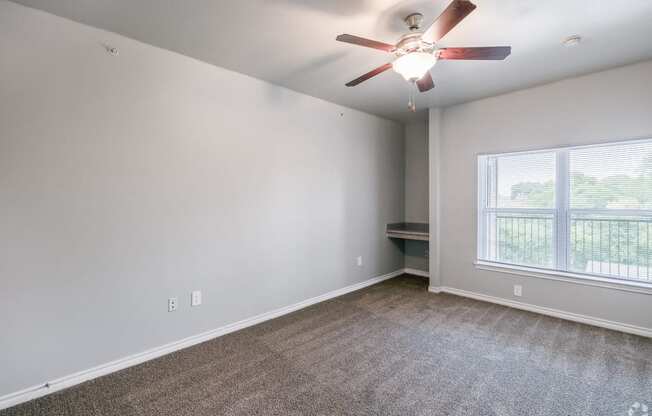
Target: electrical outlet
<point>172,304</point>
<point>359,261</point>
<point>195,298</point>
<point>518,290</point>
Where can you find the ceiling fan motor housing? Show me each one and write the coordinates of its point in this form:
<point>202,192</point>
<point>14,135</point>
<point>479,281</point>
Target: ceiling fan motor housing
<point>412,42</point>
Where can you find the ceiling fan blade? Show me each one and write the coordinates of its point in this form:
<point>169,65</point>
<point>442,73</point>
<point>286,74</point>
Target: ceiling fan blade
<point>369,74</point>
<point>356,40</point>
<point>426,83</point>
<point>454,13</point>
<point>496,53</point>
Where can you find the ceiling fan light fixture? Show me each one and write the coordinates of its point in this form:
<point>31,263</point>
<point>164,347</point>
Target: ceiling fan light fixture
<point>413,66</point>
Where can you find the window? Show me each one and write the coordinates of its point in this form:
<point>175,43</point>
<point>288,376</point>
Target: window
<point>584,210</point>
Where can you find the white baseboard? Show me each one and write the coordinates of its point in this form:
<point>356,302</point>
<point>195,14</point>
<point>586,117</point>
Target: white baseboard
<point>569,316</point>
<point>40,390</point>
<point>416,272</point>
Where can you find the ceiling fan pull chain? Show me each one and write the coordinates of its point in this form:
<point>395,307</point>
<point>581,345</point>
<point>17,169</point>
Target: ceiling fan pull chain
<point>412,105</point>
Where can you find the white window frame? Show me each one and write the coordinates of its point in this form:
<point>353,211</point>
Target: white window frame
<point>562,214</point>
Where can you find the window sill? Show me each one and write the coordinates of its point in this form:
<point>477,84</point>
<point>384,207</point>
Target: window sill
<point>579,279</point>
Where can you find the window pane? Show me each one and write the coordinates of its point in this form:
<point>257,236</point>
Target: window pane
<point>522,181</point>
<point>611,177</point>
<point>611,245</point>
<point>525,239</point>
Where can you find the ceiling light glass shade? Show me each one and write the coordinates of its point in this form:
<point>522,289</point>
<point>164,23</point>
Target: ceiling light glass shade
<point>414,66</point>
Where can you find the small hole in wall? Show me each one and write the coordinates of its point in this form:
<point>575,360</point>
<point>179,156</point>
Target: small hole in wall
<point>341,114</point>
<point>111,50</point>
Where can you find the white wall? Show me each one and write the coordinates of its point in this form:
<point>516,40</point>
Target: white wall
<point>127,180</point>
<point>606,106</point>
<point>416,190</point>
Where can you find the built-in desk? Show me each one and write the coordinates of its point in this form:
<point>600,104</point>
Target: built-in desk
<point>408,231</point>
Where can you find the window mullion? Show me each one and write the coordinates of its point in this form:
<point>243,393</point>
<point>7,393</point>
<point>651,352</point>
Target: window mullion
<point>483,238</point>
<point>562,197</point>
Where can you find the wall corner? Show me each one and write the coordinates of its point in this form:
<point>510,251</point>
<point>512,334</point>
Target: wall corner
<point>434,164</point>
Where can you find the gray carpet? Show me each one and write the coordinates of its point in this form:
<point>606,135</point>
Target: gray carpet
<point>390,349</point>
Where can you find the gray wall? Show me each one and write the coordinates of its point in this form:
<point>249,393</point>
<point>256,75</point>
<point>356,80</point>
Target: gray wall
<point>127,180</point>
<point>416,190</point>
<point>611,105</point>
<point>416,171</point>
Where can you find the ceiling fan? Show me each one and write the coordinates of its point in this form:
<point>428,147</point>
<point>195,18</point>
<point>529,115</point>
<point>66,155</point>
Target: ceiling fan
<point>417,52</point>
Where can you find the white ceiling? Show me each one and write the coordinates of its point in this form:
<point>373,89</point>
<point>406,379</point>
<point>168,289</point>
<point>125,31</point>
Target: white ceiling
<point>292,42</point>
